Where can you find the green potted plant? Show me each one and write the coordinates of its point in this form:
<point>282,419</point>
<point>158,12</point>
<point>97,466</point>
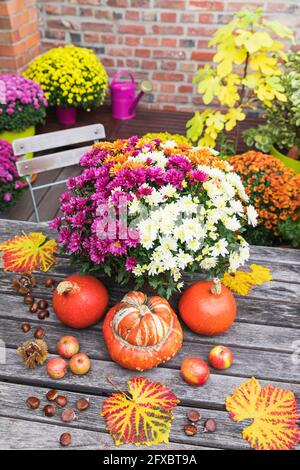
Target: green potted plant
<point>72,77</point>
<point>280,136</point>
<point>22,107</point>
<point>247,72</point>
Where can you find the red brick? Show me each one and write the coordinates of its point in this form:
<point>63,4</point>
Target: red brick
<point>150,41</point>
<point>91,37</point>
<point>185,89</point>
<point>98,27</point>
<point>53,9</point>
<point>132,15</point>
<point>159,29</point>
<point>117,3</point>
<point>68,10</point>
<point>206,18</point>
<point>169,42</point>
<point>120,51</point>
<point>167,77</point>
<point>132,40</point>
<point>188,67</point>
<point>202,56</point>
<point>140,3</point>
<point>107,62</point>
<point>142,53</point>
<point>168,65</point>
<point>207,5</point>
<point>171,98</point>
<point>187,18</point>
<point>168,107</point>
<point>201,31</point>
<point>168,54</point>
<point>168,17</point>
<point>175,4</point>
<point>132,63</point>
<point>167,87</point>
<point>236,6</point>
<point>149,64</point>
<point>108,38</point>
<point>131,29</point>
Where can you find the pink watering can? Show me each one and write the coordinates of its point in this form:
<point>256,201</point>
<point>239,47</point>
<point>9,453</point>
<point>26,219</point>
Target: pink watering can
<point>123,97</point>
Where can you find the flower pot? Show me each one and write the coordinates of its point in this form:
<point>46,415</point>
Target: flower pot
<point>10,136</point>
<point>288,162</point>
<point>66,115</point>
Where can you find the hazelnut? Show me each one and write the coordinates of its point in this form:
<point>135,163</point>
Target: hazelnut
<point>39,333</point>
<point>83,404</point>
<point>25,327</point>
<point>65,439</point>
<point>42,304</point>
<point>61,401</point>
<point>190,429</point>
<point>52,395</point>
<point>49,411</point>
<point>28,299</point>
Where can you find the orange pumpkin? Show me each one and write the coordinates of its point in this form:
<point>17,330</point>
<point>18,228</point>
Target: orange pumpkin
<point>208,308</point>
<point>142,332</point>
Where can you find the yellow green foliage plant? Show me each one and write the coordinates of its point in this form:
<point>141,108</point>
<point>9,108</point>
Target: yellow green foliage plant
<point>70,76</point>
<point>247,71</point>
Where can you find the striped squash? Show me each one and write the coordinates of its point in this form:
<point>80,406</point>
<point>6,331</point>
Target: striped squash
<point>142,332</point>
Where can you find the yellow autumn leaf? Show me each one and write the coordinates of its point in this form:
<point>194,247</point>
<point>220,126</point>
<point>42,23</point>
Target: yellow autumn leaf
<point>144,417</point>
<point>260,274</point>
<point>239,282</point>
<point>234,115</point>
<point>228,95</point>
<point>280,29</point>
<point>274,413</point>
<point>267,65</point>
<point>209,87</point>
<point>26,253</point>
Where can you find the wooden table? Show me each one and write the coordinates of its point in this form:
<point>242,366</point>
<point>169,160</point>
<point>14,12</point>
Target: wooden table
<point>261,339</point>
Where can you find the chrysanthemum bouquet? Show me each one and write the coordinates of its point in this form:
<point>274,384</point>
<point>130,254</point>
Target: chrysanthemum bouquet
<point>22,103</point>
<point>70,76</point>
<point>10,183</point>
<point>149,211</point>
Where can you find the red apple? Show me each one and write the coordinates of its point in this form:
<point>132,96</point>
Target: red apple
<point>68,346</point>
<point>220,357</point>
<point>57,368</point>
<point>80,364</point>
<point>195,371</point>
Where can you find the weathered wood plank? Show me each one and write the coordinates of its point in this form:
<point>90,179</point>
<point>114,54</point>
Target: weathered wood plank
<point>262,363</point>
<point>18,434</point>
<point>263,337</point>
<point>212,395</point>
<point>12,405</point>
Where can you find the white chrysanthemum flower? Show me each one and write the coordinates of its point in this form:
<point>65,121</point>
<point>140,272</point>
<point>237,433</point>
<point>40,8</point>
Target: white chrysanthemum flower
<point>232,223</point>
<point>252,215</point>
<point>168,243</point>
<point>237,206</point>
<point>169,144</point>
<point>183,259</point>
<point>134,206</point>
<point>220,248</point>
<point>159,158</point>
<point>187,205</point>
<point>139,270</point>
<point>212,189</point>
<point>193,245</point>
<point>154,198</point>
<point>208,263</point>
<point>168,191</point>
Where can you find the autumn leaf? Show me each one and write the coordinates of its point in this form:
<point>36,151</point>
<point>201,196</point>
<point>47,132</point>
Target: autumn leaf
<point>274,413</point>
<point>28,252</point>
<point>144,417</point>
<point>242,282</point>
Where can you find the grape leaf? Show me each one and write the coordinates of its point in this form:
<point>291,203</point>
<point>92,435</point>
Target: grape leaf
<point>143,418</point>
<point>28,252</point>
<point>274,413</point>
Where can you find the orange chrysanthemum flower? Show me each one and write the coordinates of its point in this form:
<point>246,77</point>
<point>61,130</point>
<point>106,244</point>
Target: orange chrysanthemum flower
<point>273,189</point>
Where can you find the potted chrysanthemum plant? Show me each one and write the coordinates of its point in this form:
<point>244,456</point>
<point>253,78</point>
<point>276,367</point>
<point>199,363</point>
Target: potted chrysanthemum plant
<point>11,184</point>
<point>72,77</point>
<point>148,212</point>
<point>22,107</point>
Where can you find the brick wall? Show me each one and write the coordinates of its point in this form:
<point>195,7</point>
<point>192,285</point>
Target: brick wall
<point>19,34</point>
<point>164,40</point>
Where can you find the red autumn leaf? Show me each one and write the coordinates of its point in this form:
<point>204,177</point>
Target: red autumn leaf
<point>144,417</point>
